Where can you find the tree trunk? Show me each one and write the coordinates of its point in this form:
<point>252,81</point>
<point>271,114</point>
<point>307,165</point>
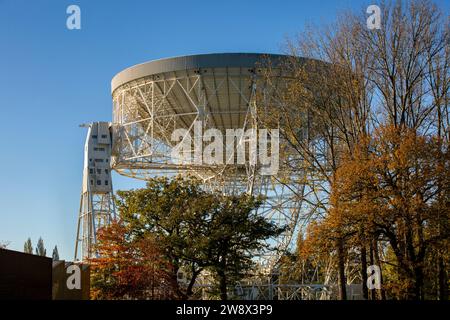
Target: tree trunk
<point>364,271</point>
<point>418,285</point>
<point>195,274</point>
<point>443,288</point>
<point>222,285</point>
<point>341,268</point>
<point>378,262</point>
<point>371,258</point>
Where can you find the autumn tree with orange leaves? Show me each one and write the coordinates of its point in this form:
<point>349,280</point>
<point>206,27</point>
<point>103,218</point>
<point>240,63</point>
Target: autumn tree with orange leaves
<point>364,133</point>
<point>129,267</point>
<point>391,189</point>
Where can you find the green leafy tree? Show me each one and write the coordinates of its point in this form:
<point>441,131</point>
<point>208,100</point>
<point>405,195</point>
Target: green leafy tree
<point>197,230</point>
<point>234,232</point>
<point>40,249</point>
<point>28,247</point>
<point>55,254</point>
<point>170,210</point>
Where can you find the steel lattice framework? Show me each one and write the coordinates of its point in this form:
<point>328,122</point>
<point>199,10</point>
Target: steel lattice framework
<point>219,91</point>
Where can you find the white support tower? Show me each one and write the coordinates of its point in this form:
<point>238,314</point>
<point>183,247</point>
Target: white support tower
<point>97,207</point>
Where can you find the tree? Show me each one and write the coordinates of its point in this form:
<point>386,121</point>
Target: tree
<point>394,190</point>
<point>170,210</point>
<point>233,234</point>
<point>28,247</point>
<point>129,267</point>
<point>40,249</point>
<point>321,111</point>
<point>197,230</point>
<point>55,254</point>
<point>358,81</point>
<point>4,244</point>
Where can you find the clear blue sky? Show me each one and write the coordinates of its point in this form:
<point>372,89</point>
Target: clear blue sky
<point>52,79</point>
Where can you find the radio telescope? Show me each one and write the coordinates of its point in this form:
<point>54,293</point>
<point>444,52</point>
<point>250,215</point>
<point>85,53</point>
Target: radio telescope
<point>194,93</point>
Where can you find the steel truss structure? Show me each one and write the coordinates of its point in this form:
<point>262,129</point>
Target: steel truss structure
<point>264,287</point>
<point>221,95</point>
<point>153,100</point>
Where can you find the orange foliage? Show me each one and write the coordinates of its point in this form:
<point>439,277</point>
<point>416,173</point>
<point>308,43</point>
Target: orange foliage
<point>392,187</point>
<point>128,268</point>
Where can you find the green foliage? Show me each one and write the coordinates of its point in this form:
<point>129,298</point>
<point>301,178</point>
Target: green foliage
<point>55,254</point>
<point>28,247</point>
<point>233,233</point>
<point>40,249</point>
<point>197,230</point>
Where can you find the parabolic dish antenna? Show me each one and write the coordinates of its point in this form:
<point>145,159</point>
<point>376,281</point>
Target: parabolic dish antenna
<point>154,100</point>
